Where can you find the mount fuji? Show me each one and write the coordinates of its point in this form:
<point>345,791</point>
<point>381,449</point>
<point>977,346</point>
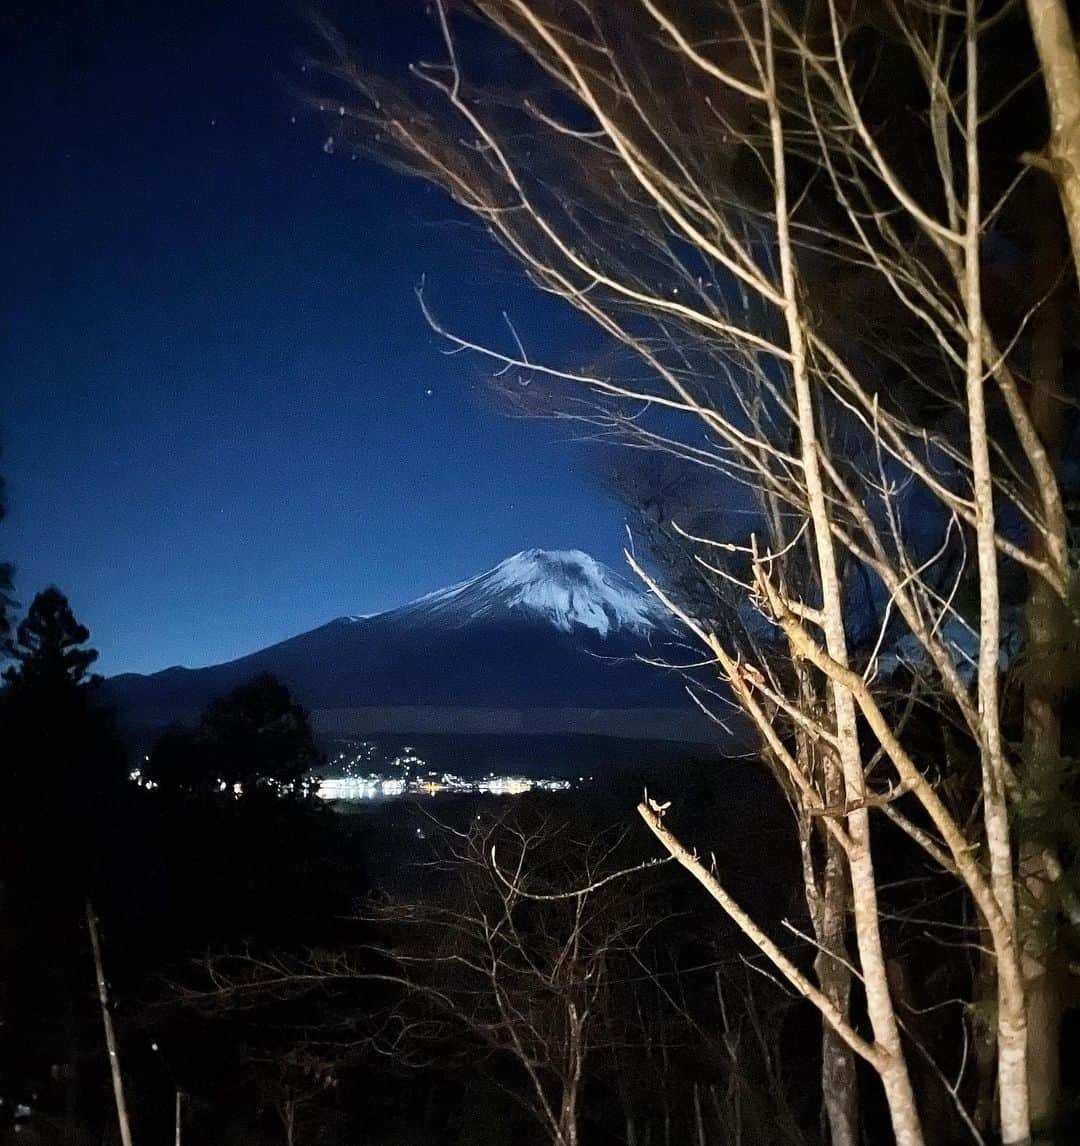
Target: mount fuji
<point>548,642</point>
<point>565,589</point>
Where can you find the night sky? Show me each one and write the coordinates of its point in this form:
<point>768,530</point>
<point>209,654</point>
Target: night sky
<point>216,421</point>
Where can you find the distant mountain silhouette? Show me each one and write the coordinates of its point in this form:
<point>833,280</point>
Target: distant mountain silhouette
<point>545,642</point>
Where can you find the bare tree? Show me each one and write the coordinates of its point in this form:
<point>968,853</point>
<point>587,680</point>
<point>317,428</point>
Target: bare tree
<point>292,1081</point>
<point>511,943</point>
<point>697,588</point>
<point>804,274</point>
<point>540,954</point>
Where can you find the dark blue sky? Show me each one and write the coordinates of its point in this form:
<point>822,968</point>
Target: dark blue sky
<point>215,420</point>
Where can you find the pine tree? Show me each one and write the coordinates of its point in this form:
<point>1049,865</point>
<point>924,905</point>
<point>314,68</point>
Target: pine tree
<point>46,646</point>
<point>60,743</point>
<point>62,771</point>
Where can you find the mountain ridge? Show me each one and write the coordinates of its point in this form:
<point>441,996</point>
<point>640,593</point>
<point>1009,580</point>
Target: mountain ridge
<point>542,631</point>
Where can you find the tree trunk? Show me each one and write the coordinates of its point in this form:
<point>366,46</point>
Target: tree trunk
<point>828,901</point>
<point>1045,621</point>
<point>110,1033</point>
<point>879,1005</point>
<point>575,1069</point>
<point>1056,45</point>
<point>828,905</point>
<point>1012,1032</point>
<point>568,1135</point>
<point>839,1081</point>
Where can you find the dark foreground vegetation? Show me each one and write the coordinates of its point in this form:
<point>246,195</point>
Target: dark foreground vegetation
<point>471,970</point>
<point>831,252</point>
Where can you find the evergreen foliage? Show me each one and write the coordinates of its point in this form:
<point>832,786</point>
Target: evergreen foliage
<point>47,646</point>
<point>61,744</point>
<point>255,738</point>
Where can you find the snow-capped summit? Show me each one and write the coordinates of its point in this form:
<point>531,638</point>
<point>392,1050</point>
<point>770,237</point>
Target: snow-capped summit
<point>564,587</point>
<point>546,641</point>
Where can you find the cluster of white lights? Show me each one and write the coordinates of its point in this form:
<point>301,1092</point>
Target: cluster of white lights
<point>378,787</point>
<point>355,762</point>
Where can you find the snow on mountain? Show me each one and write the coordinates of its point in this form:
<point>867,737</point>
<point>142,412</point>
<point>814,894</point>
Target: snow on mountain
<point>564,587</point>
<point>549,631</point>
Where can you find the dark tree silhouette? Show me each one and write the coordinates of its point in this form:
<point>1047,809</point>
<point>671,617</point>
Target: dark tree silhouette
<point>47,644</point>
<point>61,745</point>
<point>255,738</point>
<point>259,737</point>
<point>179,761</point>
<point>62,787</point>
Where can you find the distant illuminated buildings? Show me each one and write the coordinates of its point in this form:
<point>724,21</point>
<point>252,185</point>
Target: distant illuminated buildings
<point>375,786</point>
<point>365,773</point>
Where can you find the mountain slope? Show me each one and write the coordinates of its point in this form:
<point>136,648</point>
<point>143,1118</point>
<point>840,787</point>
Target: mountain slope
<point>543,630</point>
<point>567,589</point>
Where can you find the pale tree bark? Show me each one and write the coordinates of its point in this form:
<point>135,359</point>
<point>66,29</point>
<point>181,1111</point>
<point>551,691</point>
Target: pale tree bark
<point>827,892</point>
<point>1012,1018</point>
<point>567,1134</point>
<point>122,1118</point>
<point>720,294</point>
<point>1056,45</point>
<point>864,897</point>
<point>800,982</point>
